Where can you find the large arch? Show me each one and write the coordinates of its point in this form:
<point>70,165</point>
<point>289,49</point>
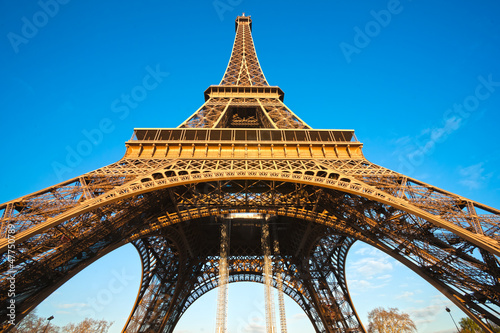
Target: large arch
<point>371,215</point>
<point>325,178</point>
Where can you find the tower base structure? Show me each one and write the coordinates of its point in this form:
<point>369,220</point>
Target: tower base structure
<point>245,160</point>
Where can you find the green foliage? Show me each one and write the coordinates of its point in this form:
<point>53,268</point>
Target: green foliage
<point>390,321</point>
<point>468,325</point>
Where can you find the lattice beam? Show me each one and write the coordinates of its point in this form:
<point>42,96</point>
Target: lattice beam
<point>244,151</point>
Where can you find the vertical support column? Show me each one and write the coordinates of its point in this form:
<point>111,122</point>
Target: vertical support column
<point>223,280</point>
<point>146,305</point>
<point>281,300</point>
<point>7,214</point>
<point>401,191</point>
<point>474,218</point>
<point>8,211</point>
<point>85,189</point>
<point>268,276</point>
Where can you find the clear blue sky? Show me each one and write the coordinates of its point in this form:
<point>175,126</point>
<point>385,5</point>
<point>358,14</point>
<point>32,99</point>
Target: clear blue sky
<point>414,86</point>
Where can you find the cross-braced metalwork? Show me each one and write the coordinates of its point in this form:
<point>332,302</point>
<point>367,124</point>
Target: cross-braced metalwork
<point>244,160</point>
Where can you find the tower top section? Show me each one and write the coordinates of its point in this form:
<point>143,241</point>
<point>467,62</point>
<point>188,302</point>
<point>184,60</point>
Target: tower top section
<point>243,68</point>
<point>244,99</point>
<point>242,19</point>
<point>243,118</point>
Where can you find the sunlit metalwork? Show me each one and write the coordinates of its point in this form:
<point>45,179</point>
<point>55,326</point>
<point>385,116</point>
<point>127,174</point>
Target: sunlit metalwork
<point>281,299</point>
<point>268,276</point>
<point>246,159</point>
<point>223,280</point>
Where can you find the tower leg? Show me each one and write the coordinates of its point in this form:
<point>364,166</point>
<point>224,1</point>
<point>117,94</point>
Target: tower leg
<point>281,300</point>
<point>166,284</point>
<point>323,273</point>
<point>268,277</point>
<point>223,280</point>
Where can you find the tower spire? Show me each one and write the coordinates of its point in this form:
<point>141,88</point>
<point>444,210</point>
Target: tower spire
<point>244,99</point>
<point>244,68</point>
<point>243,160</point>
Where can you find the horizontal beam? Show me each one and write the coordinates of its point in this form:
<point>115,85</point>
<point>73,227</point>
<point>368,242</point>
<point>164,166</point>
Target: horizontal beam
<point>244,92</point>
<point>196,150</point>
<point>258,135</point>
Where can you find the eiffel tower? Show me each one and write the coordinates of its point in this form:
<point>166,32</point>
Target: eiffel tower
<point>244,190</point>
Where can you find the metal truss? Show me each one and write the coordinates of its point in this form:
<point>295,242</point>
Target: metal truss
<point>279,278</point>
<point>459,268</point>
<point>243,151</point>
<point>306,281</point>
<point>219,112</point>
<point>244,88</point>
<point>243,68</point>
<point>223,280</point>
<point>437,234</point>
<point>268,276</point>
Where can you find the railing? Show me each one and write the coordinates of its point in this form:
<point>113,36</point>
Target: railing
<point>188,135</point>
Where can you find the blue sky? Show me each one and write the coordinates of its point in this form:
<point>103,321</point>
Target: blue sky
<point>418,81</point>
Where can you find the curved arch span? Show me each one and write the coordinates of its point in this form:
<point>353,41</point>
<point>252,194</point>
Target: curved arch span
<point>344,184</point>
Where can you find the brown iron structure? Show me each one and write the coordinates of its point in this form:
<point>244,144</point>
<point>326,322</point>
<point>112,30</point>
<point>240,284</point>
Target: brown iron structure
<point>244,160</point>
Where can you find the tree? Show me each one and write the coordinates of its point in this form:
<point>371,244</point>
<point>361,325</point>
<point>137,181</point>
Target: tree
<point>88,325</point>
<point>468,325</point>
<point>390,321</point>
<point>33,323</point>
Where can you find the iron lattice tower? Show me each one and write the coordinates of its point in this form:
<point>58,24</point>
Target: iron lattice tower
<point>244,151</point>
